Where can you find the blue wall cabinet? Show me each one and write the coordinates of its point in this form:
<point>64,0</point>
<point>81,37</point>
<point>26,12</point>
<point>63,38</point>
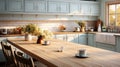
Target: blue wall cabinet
<point>2,5</point>
<point>82,39</point>
<point>58,7</point>
<point>75,8</point>
<point>15,5</point>
<point>91,40</point>
<point>72,38</point>
<point>95,9</point>
<point>85,8</point>
<point>35,6</point>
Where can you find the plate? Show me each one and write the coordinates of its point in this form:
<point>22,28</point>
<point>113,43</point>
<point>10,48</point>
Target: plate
<point>81,56</point>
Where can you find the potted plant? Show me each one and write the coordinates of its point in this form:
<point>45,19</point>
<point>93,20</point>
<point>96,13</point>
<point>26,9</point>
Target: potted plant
<point>44,34</point>
<point>29,30</point>
<point>82,25</point>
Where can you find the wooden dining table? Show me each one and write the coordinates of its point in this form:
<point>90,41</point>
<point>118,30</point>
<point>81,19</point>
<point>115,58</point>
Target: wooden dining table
<point>50,55</point>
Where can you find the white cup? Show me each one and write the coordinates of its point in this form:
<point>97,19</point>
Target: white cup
<point>82,52</point>
<point>46,42</point>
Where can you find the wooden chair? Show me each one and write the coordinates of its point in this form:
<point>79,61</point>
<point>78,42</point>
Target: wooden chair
<point>23,62</point>
<point>8,53</point>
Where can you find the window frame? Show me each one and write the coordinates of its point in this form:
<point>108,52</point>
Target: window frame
<point>107,10</point>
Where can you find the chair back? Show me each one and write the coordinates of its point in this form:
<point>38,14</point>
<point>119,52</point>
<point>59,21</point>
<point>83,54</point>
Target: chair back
<point>8,53</point>
<point>22,61</point>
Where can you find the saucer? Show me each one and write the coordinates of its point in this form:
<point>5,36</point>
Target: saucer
<point>78,56</point>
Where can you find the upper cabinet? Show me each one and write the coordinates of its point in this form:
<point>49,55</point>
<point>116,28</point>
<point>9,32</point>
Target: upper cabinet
<point>58,7</point>
<point>75,8</point>
<point>2,5</point>
<point>53,7</point>
<point>35,6</point>
<point>95,9</point>
<point>84,8</point>
<point>15,5</point>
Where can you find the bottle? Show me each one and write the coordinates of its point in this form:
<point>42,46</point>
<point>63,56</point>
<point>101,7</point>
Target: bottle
<point>99,28</point>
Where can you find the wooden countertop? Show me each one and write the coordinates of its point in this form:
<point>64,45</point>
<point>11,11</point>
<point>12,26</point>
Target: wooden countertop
<point>12,35</point>
<point>49,55</point>
<point>72,32</point>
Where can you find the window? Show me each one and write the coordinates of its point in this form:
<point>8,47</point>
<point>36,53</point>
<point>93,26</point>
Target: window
<point>113,14</point>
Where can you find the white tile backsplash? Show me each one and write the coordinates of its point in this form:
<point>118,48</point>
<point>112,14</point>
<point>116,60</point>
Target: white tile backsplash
<point>49,22</point>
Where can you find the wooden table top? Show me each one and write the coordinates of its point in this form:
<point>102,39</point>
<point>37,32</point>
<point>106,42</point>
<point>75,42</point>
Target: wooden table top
<point>49,55</point>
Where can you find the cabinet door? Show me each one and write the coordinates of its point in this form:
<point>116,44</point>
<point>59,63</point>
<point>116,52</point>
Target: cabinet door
<point>72,38</point>
<point>85,8</point>
<point>2,5</point>
<point>29,6</point>
<point>35,6</point>
<point>74,8</point>
<point>83,39</point>
<point>117,43</point>
<point>95,9</point>
<point>61,37</point>
<point>41,6</point>
<point>15,5</point>
<point>91,40</point>
<point>106,46</point>
<point>63,7</point>
<point>58,7</point>
<point>53,7</point>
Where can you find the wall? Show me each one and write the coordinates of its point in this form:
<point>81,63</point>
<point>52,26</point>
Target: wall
<point>50,22</point>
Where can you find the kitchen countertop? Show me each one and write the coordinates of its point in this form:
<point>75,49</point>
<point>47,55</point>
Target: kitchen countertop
<point>48,54</point>
<point>12,35</point>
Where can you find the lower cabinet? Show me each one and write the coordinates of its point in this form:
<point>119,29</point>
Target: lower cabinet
<point>75,38</point>
<point>82,39</point>
<point>106,46</point>
<point>60,36</point>
<point>117,43</point>
<point>72,38</point>
<point>91,40</point>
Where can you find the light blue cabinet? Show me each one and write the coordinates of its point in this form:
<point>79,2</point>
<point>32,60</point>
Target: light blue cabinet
<point>60,37</point>
<point>75,8</point>
<point>58,7</point>
<point>117,43</point>
<point>75,38</point>
<point>15,5</point>
<point>35,6</point>
<point>85,8</point>
<point>82,39</point>
<point>106,46</point>
<point>2,6</point>
<point>91,40</point>
<point>50,7</point>
<point>95,9</point>
<point>72,38</point>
